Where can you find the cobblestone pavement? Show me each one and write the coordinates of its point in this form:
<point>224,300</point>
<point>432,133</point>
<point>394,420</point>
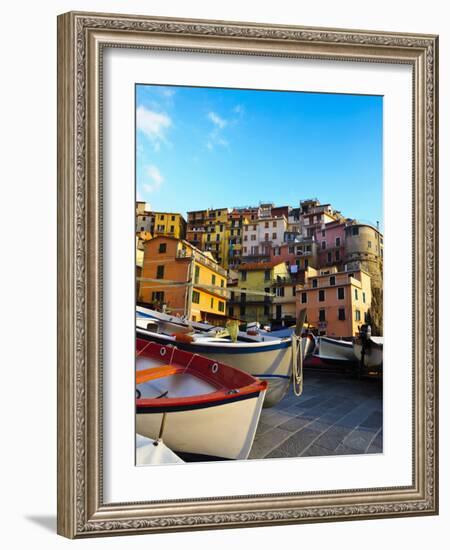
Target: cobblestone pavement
<point>337,414</point>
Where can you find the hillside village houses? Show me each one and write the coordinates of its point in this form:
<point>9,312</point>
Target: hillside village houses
<point>262,263</point>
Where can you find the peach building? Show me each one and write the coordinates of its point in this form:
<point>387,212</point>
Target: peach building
<point>337,302</point>
<point>182,279</point>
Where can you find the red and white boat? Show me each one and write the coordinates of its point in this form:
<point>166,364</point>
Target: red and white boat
<point>195,404</point>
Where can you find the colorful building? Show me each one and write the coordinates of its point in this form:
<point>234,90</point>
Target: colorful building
<point>145,219</point>
<point>169,223</point>
<point>257,279</point>
<point>182,280</point>
<point>364,249</point>
<point>260,236</point>
<point>336,302</point>
<point>331,243</point>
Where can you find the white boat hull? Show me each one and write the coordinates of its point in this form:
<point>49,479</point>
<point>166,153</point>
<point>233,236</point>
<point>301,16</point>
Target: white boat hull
<point>373,357</point>
<point>273,366</point>
<point>270,361</point>
<point>336,350</point>
<point>225,431</point>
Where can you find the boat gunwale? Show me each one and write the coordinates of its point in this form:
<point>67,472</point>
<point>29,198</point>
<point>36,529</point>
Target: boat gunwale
<point>227,347</point>
<point>253,386</point>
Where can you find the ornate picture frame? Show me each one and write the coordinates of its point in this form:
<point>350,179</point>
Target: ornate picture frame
<point>82,511</point>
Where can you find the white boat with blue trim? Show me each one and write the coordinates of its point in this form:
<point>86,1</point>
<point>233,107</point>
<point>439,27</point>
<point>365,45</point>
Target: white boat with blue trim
<point>275,360</point>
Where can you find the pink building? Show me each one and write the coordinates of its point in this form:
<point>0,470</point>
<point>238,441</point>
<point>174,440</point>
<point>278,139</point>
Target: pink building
<point>331,243</point>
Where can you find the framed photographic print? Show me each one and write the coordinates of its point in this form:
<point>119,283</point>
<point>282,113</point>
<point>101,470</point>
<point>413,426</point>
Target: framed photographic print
<point>247,282</point>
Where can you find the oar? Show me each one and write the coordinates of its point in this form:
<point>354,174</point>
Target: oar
<point>300,322</point>
<point>297,367</point>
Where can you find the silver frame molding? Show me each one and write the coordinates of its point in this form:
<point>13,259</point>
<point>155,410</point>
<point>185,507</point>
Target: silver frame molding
<point>81,38</point>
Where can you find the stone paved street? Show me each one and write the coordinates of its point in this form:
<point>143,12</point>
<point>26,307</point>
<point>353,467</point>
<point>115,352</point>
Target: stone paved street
<point>337,415</point>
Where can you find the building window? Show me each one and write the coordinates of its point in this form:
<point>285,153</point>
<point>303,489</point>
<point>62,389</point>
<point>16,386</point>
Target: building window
<point>332,280</point>
<point>280,291</point>
<point>243,275</point>
<point>323,232</point>
<point>355,230</point>
<point>267,274</point>
<point>293,291</point>
<point>161,217</point>
<point>274,224</point>
<point>158,296</point>
<point>245,237</point>
<point>314,283</point>
<point>266,310</point>
<point>217,237</point>
<point>222,307</point>
<point>208,237</point>
<point>212,303</point>
<point>196,297</point>
<point>253,237</point>
<point>338,241</point>
<point>162,248</point>
<point>231,311</point>
<point>222,282</point>
<point>266,224</point>
<point>329,257</point>
<point>246,228</point>
<point>242,311</point>
<point>340,293</point>
<point>324,245</point>
<point>291,250</point>
<point>173,218</point>
<point>274,236</point>
<point>172,229</point>
<point>142,228</point>
<point>341,314</point>
<point>306,263</point>
<point>369,244</point>
<point>364,297</point>
<point>321,295</point>
<point>160,272</point>
<point>266,236</point>
<point>197,274</point>
<point>304,297</point>
<point>245,250</point>
<point>338,256</point>
<point>356,293</point>
<point>322,315</point>
<point>254,228</point>
<point>213,280</point>
<point>357,315</point>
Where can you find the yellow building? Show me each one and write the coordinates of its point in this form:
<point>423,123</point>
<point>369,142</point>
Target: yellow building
<point>169,262</point>
<point>169,223</point>
<point>257,278</point>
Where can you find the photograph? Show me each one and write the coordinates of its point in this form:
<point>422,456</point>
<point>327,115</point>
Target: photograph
<point>259,274</point>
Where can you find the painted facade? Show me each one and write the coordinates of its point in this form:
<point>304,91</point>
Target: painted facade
<point>337,302</point>
<point>171,224</point>
<point>169,262</point>
<point>330,240</point>
<point>257,277</point>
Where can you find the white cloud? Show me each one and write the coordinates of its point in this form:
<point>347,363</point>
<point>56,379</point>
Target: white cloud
<point>154,125</point>
<point>217,120</point>
<point>167,92</point>
<point>238,109</point>
<point>153,178</point>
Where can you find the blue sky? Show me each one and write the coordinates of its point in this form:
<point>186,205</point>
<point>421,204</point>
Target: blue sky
<point>213,148</point>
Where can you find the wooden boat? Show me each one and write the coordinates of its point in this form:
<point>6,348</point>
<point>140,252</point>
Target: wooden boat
<point>335,351</point>
<point>372,358</point>
<point>195,404</point>
<point>265,357</point>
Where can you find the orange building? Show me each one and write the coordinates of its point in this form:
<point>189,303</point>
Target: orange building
<point>336,302</point>
<point>183,280</point>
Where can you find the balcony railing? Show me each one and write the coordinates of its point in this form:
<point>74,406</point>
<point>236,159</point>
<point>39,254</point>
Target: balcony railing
<point>202,260</point>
